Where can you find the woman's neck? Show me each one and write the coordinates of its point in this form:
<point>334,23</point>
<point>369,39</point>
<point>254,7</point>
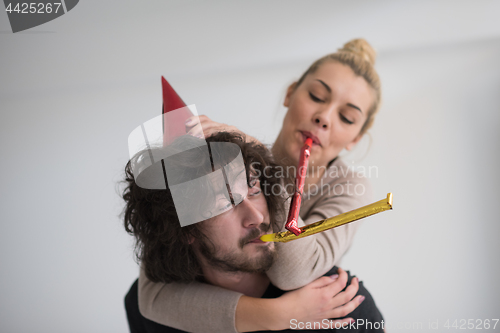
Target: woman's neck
<point>314,175</point>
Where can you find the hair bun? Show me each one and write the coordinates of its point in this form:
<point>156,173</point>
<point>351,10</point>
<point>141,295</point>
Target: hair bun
<point>361,48</point>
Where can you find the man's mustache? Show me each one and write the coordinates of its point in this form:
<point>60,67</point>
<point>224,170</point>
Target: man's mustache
<point>254,233</point>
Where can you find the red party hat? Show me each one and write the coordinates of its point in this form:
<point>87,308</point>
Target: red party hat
<point>173,124</point>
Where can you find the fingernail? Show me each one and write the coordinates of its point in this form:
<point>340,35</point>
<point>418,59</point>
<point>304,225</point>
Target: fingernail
<point>188,121</point>
<point>361,299</point>
<point>334,276</point>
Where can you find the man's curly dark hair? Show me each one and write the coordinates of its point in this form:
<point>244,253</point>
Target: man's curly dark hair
<point>161,244</point>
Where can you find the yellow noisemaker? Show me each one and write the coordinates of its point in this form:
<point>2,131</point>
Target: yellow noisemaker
<point>332,222</point>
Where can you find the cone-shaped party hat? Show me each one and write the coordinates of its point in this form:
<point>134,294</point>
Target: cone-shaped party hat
<point>203,182</point>
<point>174,124</point>
<point>171,100</point>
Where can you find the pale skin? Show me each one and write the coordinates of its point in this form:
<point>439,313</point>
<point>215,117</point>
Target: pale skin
<point>323,298</point>
<point>330,104</point>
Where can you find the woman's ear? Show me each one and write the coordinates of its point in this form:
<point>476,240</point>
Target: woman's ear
<point>353,142</point>
<point>289,93</point>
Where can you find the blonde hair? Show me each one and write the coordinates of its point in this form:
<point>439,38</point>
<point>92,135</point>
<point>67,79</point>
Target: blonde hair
<point>360,57</point>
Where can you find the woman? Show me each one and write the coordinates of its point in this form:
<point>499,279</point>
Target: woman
<point>334,103</point>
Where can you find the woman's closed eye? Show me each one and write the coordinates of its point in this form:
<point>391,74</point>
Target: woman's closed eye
<point>345,120</point>
<point>315,98</point>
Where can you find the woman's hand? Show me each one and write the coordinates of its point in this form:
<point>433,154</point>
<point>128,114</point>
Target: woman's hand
<point>319,300</point>
<point>204,127</point>
<point>322,299</point>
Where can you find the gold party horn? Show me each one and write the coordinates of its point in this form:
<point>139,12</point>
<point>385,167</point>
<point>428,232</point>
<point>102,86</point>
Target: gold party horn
<point>332,222</point>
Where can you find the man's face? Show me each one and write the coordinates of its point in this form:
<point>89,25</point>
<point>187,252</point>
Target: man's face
<point>235,235</point>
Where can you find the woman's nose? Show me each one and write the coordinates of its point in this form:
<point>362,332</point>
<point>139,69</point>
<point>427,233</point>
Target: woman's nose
<point>323,116</point>
<point>322,119</point>
<point>251,216</point>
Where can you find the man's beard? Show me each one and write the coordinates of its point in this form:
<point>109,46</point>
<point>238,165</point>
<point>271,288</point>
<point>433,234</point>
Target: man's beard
<point>238,262</point>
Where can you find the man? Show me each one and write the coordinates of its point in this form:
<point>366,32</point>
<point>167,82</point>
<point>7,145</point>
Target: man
<point>223,250</point>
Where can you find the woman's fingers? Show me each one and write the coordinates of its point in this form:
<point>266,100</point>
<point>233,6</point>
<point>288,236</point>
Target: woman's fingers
<point>328,280</point>
<point>336,286</point>
<point>323,281</point>
<point>193,126</point>
<point>347,308</point>
<point>204,118</point>
<point>346,295</point>
<point>200,120</point>
<point>326,297</point>
<point>195,131</point>
<point>193,120</point>
<point>346,302</point>
<point>202,126</point>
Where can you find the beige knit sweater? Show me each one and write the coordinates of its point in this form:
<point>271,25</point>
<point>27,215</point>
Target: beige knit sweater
<point>200,307</point>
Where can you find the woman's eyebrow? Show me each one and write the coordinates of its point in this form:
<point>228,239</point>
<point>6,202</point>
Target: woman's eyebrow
<point>327,87</point>
<point>354,106</point>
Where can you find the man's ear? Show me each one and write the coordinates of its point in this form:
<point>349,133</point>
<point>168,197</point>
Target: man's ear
<point>289,93</point>
<point>353,142</point>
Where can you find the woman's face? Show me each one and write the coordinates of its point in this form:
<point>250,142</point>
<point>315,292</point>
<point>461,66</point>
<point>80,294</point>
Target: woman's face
<point>330,106</point>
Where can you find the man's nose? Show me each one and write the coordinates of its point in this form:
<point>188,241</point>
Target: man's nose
<point>251,216</point>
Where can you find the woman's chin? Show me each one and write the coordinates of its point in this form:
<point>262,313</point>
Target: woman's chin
<point>293,153</point>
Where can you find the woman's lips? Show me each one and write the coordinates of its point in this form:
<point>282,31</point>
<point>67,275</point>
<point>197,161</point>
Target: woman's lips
<point>307,134</point>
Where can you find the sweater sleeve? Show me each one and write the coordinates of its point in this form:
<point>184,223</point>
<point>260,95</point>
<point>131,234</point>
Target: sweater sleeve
<point>192,307</point>
<point>306,259</point>
<point>199,307</point>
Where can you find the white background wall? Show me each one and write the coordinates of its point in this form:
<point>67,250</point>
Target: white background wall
<point>73,89</point>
